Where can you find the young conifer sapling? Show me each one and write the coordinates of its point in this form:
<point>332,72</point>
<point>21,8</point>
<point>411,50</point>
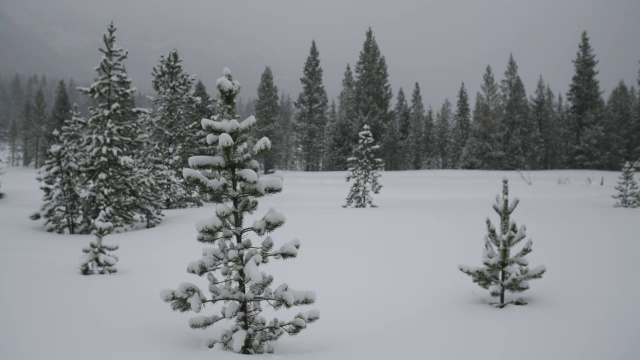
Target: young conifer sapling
<point>503,269</point>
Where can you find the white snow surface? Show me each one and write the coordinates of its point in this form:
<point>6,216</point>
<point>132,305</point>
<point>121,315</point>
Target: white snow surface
<point>402,256</point>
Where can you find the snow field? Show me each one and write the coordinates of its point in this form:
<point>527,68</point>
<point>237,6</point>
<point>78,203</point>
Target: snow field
<point>386,278</point>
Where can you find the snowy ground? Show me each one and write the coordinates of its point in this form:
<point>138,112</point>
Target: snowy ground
<point>386,278</point>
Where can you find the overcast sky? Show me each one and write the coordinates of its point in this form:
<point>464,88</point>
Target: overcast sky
<point>437,43</point>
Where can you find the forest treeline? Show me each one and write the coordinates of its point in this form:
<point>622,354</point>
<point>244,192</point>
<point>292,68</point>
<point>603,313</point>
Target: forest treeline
<point>504,128</point>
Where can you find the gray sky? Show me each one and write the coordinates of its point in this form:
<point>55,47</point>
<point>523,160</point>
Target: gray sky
<point>437,43</point>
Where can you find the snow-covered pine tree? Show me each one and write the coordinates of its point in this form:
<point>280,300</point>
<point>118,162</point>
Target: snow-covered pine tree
<point>173,124</point>
<point>364,172</point>
<point>231,265</point>
<point>61,178</point>
<point>115,184</point>
<point>628,193</point>
<point>97,258</point>
<point>503,271</point>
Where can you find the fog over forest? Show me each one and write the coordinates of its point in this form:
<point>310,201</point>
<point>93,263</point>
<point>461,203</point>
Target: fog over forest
<point>439,44</point>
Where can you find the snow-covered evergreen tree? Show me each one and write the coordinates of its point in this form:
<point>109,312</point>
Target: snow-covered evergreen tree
<point>232,263</point>
<point>628,193</point>
<point>173,125</point>
<point>98,258</point>
<point>114,146</point>
<point>502,270</point>
<point>61,178</point>
<point>364,172</point>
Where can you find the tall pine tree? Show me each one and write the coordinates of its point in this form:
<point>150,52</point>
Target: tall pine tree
<point>585,109</point>
<point>286,128</point>
<point>417,132</point>
<point>460,130</point>
<point>311,117</point>
<point>267,111</point>
<point>518,131</point>
<point>392,135</point>
<point>38,128</point>
<point>372,91</point>
<point>340,140</point>
<point>542,114</point>
<point>172,131</point>
<point>487,113</point>
<point>617,122</point>
<point>442,140</point>
<point>59,113</point>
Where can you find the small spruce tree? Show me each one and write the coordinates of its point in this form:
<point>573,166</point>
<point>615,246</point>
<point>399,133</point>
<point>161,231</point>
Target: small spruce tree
<point>97,258</point>
<point>364,172</point>
<point>231,264</point>
<point>628,194</point>
<point>503,271</point>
